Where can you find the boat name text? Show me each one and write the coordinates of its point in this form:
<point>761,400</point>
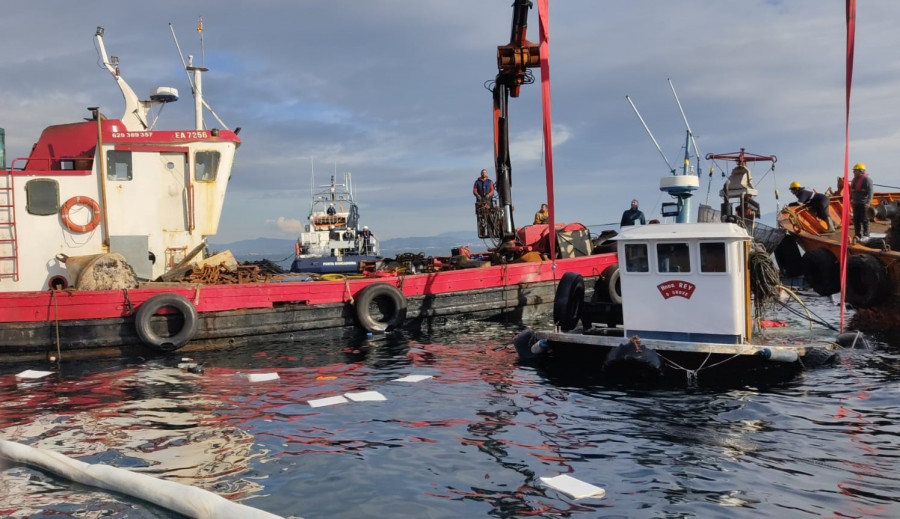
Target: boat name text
<point>676,288</point>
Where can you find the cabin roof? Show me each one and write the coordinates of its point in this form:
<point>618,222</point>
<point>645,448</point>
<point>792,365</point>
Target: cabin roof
<point>683,231</point>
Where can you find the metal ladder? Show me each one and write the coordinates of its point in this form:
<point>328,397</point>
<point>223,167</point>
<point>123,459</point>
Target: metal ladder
<point>9,258</point>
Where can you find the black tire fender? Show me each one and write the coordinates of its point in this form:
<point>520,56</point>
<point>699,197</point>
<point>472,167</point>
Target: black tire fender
<point>867,281</point>
<point>380,307</point>
<point>822,271</point>
<point>145,313</point>
<point>568,301</point>
<point>609,285</point>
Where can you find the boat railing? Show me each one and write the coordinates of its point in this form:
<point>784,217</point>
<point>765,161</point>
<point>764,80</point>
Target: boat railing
<point>324,222</point>
<point>766,235</point>
<point>58,165</point>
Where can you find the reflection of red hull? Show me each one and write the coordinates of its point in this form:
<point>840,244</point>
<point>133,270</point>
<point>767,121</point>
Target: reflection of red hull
<point>873,268</point>
<point>91,323</point>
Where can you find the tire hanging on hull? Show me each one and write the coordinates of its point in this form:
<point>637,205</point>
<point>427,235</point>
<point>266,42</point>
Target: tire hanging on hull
<point>380,307</point>
<point>568,301</point>
<point>867,281</point>
<point>822,271</point>
<point>143,322</point>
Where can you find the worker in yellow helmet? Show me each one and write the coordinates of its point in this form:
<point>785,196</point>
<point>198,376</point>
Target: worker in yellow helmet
<point>860,199</point>
<point>817,203</point>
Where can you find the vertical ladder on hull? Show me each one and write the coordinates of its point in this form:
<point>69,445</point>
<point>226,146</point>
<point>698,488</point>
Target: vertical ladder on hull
<point>9,258</point>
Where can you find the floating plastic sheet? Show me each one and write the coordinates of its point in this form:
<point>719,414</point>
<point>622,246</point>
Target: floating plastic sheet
<point>262,377</point>
<point>573,487</point>
<point>331,400</point>
<point>30,373</point>
<point>365,396</point>
<point>413,378</point>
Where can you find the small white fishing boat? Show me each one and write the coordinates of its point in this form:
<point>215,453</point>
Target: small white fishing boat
<point>332,240</point>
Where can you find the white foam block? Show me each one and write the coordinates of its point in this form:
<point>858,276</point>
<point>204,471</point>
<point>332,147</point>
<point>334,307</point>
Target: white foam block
<point>331,400</point>
<point>30,373</point>
<point>413,378</point>
<point>573,487</point>
<point>365,396</point>
<point>262,377</point>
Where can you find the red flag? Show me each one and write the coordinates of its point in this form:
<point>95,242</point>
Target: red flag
<point>845,213</point>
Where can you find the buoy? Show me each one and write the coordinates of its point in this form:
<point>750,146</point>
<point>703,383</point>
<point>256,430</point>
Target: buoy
<point>779,355</point>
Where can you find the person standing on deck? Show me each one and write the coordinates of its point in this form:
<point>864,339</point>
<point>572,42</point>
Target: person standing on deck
<point>483,188</point>
<point>860,198</point>
<point>542,216</point>
<point>367,236</point>
<point>816,202</point>
<point>331,210</point>
<point>633,215</point>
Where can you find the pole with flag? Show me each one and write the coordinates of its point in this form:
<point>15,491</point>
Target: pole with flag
<point>202,49</point>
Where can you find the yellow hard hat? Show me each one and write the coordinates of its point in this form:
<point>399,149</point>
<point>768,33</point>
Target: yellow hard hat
<point>795,185</point>
<point>860,165</point>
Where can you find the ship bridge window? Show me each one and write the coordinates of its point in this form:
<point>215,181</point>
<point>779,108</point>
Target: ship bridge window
<point>636,258</point>
<point>42,196</point>
<point>673,257</point>
<point>712,257</point>
<point>118,165</point>
<point>206,166</point>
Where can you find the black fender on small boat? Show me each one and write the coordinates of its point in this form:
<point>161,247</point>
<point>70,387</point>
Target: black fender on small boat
<point>822,271</point>
<point>817,357</point>
<point>853,339</point>
<point>867,281</point>
<point>380,307</point>
<point>568,301</point>
<point>526,343</point>
<point>788,257</point>
<point>144,315</point>
<point>632,357</point>
<point>609,286</point>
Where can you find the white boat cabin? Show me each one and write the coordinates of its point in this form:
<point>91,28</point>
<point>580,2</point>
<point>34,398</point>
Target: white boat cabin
<point>685,282</point>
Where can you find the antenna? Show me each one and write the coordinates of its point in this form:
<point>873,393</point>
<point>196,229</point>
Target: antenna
<point>671,169</point>
<point>688,126</point>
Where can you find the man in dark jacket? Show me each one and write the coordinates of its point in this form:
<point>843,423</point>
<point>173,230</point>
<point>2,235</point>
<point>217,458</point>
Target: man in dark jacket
<point>816,202</point>
<point>633,215</point>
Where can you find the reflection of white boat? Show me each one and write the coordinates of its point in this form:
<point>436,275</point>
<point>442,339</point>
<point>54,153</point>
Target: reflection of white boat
<point>332,239</point>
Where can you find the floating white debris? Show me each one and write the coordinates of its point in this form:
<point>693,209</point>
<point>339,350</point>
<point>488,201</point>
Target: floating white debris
<point>365,396</point>
<point>413,378</point>
<point>262,377</point>
<point>331,400</point>
<point>30,373</point>
<point>573,487</point>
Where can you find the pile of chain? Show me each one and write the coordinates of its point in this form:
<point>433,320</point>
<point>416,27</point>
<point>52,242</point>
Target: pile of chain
<point>221,275</point>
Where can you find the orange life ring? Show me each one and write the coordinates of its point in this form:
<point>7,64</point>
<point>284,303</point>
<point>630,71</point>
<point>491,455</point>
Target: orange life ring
<point>85,201</point>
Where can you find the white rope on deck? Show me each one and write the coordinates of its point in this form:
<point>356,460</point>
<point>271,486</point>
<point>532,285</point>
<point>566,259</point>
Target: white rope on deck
<point>186,500</point>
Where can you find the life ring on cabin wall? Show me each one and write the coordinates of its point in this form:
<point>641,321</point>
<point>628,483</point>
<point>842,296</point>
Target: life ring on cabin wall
<point>822,271</point>
<point>144,316</point>
<point>609,286</point>
<point>87,202</point>
<point>568,301</point>
<point>380,307</point>
<point>867,280</point>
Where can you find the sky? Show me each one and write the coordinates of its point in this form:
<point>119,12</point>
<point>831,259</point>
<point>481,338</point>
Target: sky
<point>394,92</point>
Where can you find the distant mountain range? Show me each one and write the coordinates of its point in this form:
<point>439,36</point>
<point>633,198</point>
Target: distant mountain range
<point>281,251</point>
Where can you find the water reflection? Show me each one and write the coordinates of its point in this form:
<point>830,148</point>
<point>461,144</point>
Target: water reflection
<point>471,441</point>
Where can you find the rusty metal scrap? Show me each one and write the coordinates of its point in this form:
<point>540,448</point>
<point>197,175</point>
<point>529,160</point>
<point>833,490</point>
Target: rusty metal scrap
<point>221,275</point>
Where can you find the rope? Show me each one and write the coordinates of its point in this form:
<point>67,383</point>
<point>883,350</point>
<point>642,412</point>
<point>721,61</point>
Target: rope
<point>56,322</point>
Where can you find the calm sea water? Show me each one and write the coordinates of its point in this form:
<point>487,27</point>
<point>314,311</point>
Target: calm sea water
<point>471,441</point>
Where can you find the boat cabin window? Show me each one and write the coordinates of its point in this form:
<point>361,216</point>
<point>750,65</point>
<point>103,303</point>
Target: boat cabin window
<point>42,196</point>
<point>673,257</point>
<point>206,166</point>
<point>712,257</point>
<point>118,165</point>
<point>636,258</point>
